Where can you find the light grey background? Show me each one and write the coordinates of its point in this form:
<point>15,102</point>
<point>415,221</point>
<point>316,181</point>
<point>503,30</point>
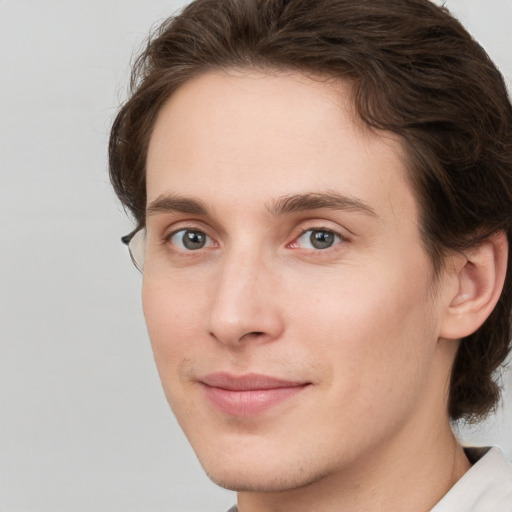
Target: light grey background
<point>84,425</point>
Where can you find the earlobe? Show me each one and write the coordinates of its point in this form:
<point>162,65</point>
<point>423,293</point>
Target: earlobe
<point>479,276</point>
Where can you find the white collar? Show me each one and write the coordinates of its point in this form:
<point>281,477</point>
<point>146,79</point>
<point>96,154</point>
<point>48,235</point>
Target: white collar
<point>486,487</point>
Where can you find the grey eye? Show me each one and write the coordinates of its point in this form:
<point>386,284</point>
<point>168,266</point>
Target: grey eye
<point>190,240</point>
<point>318,239</point>
<point>321,239</point>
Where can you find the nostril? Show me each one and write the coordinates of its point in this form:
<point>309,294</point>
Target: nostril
<point>253,335</point>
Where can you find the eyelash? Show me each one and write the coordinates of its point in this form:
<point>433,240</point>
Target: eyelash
<point>167,239</point>
<point>338,239</point>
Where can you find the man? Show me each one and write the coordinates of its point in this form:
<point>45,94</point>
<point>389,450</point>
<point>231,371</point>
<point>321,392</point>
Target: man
<point>323,198</point>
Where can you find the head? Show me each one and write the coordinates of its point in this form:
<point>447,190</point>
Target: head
<point>413,91</point>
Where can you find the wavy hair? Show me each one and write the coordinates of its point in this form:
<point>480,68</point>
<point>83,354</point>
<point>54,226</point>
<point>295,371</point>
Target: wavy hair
<point>414,70</point>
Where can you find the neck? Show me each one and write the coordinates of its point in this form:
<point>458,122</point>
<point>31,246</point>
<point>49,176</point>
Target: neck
<point>411,473</point>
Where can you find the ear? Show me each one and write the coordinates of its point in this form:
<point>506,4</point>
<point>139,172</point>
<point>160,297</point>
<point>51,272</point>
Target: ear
<point>479,275</point>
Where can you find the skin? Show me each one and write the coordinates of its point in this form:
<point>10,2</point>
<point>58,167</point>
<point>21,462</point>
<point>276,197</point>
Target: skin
<point>360,322</point>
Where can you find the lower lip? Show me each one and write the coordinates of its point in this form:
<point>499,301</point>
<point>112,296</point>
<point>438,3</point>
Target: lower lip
<point>249,402</point>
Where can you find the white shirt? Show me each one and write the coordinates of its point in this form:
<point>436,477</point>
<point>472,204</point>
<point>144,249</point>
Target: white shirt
<point>486,487</point>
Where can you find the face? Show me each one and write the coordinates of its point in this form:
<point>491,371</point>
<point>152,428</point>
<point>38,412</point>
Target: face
<point>286,290</point>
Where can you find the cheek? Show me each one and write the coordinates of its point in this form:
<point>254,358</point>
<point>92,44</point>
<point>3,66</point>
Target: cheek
<point>373,331</point>
<point>173,321</point>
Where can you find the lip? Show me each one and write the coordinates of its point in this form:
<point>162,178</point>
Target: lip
<point>250,394</point>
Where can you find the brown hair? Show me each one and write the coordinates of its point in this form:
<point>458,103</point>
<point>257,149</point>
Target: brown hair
<point>414,70</point>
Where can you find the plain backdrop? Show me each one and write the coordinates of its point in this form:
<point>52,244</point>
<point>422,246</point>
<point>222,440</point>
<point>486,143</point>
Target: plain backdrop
<point>84,425</point>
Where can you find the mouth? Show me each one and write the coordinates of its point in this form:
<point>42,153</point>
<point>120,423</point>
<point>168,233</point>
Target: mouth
<point>250,394</point>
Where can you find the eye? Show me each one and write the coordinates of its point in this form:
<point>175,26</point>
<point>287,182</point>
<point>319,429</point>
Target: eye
<point>318,239</point>
<point>190,239</point>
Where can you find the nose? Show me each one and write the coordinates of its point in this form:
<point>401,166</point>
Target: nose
<point>244,302</point>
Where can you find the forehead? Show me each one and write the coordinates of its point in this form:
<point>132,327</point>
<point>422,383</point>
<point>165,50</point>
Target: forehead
<point>229,135</point>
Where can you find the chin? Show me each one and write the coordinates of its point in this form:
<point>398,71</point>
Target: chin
<point>257,483</point>
<point>262,476</point>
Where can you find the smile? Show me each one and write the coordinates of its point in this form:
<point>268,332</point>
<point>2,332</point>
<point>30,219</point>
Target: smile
<point>248,395</point>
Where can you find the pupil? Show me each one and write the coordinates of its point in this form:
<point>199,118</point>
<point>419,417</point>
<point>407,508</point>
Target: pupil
<point>193,240</point>
<point>321,239</point>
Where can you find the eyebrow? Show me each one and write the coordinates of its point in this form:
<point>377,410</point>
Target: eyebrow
<point>317,201</point>
<point>173,203</point>
<point>282,206</point>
